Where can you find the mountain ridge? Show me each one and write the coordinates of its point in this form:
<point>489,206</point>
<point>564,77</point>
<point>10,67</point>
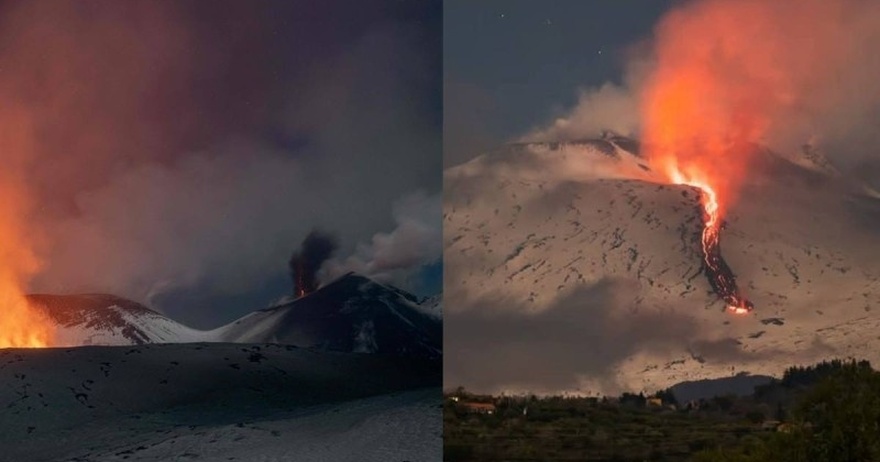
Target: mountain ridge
<point>335,317</point>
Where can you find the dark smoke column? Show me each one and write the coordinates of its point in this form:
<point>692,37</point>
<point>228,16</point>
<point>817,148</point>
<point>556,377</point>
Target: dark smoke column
<point>315,249</point>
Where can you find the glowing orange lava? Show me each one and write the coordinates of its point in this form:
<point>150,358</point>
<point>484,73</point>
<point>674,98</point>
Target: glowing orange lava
<point>21,325</point>
<point>709,96</point>
<point>723,283</point>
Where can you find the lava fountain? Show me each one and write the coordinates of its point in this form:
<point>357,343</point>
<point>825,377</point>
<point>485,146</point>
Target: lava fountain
<point>21,325</point>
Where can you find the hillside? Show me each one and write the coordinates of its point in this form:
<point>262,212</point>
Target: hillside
<point>596,264</point>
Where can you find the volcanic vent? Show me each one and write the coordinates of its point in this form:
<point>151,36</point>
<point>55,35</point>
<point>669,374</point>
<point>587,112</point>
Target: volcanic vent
<point>315,249</point>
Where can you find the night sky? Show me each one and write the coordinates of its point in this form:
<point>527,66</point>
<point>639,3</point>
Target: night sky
<point>510,65</point>
<point>177,153</point>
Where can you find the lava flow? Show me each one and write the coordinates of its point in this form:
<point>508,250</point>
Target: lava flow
<point>720,276</point>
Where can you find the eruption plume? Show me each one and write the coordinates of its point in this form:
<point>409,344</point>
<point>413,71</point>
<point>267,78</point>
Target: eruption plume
<point>728,75</point>
<point>724,70</point>
<point>20,324</point>
<point>315,249</point>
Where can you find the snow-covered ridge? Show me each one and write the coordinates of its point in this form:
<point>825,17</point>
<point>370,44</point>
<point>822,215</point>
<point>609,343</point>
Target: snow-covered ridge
<point>580,160</point>
<point>610,156</point>
<point>351,313</point>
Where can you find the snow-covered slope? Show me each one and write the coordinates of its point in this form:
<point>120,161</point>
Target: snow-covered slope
<point>352,314</point>
<point>211,401</point>
<point>532,224</point>
<point>102,319</point>
<point>432,306</point>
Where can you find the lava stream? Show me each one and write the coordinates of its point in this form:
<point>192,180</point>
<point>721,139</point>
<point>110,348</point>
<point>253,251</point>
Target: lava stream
<point>720,276</point>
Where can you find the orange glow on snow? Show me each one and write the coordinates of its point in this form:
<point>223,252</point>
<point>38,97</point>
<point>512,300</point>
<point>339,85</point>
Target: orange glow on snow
<point>738,310</point>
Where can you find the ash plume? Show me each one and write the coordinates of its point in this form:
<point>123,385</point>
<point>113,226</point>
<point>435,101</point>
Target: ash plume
<point>315,249</point>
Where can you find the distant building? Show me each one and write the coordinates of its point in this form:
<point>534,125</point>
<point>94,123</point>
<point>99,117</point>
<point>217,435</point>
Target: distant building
<point>787,427</point>
<point>658,402</point>
<point>479,408</point>
<point>784,428</point>
<point>771,425</point>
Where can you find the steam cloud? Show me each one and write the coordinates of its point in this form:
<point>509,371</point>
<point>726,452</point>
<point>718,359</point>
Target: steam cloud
<point>316,248</point>
<point>158,145</point>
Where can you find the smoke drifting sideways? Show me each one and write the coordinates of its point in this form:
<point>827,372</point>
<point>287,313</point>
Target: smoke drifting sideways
<point>156,147</point>
<point>719,74</point>
<point>594,333</point>
<point>416,241</point>
<point>315,249</point>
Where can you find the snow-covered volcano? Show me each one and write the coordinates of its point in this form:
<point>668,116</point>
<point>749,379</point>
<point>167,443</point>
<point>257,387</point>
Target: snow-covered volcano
<point>350,314</point>
<point>530,226</point>
<point>103,319</point>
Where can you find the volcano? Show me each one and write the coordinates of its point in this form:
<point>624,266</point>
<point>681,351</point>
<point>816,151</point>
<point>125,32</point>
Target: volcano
<point>349,314</point>
<point>352,313</point>
<point>532,223</point>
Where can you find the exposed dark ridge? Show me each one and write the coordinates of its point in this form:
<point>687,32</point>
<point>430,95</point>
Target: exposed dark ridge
<point>353,306</point>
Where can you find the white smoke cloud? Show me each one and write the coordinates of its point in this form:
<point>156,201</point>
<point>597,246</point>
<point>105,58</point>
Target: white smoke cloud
<point>414,242</point>
<point>610,107</point>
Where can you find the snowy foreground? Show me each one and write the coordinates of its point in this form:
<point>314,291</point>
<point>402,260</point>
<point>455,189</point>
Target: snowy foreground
<point>217,402</point>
